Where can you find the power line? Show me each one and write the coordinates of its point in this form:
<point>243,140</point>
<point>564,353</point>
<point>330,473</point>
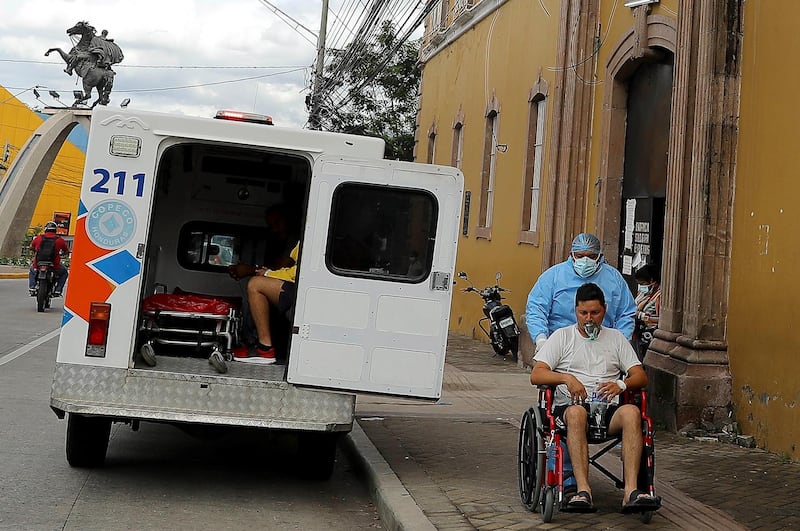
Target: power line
<point>211,83</point>
<point>176,67</point>
<point>286,18</point>
<point>197,85</point>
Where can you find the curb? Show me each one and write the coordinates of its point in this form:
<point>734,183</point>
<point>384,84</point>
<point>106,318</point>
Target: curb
<point>396,507</point>
<point>13,275</point>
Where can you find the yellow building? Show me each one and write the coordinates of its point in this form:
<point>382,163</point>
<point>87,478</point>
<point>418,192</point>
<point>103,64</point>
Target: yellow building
<point>61,190</point>
<point>664,127</point>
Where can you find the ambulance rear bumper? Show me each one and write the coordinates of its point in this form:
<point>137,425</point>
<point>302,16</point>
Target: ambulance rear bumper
<point>201,399</point>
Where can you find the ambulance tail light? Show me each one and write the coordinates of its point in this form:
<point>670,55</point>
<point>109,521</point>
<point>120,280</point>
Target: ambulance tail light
<point>97,338</point>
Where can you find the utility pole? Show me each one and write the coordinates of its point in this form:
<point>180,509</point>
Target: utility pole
<point>313,118</point>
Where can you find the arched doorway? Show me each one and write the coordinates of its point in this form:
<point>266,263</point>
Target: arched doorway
<point>644,175</point>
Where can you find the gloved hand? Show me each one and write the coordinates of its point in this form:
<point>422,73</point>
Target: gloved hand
<point>540,341</point>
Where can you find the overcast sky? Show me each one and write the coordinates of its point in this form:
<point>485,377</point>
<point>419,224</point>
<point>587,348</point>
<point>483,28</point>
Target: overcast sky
<point>162,40</point>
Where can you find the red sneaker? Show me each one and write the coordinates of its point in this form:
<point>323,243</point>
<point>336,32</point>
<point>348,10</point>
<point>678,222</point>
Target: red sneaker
<point>253,354</point>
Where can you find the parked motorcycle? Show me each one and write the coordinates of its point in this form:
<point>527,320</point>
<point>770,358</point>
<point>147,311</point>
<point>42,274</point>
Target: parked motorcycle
<point>45,285</point>
<point>503,332</point>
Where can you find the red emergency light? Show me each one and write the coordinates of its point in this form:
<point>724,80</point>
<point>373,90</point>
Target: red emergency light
<point>238,116</point>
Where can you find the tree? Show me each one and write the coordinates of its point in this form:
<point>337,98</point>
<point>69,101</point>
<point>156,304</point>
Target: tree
<point>370,88</point>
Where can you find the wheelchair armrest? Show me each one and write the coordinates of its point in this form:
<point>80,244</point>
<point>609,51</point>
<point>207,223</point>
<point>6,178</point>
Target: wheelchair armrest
<point>638,398</point>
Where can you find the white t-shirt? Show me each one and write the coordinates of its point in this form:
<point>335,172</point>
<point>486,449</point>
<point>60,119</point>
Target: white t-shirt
<point>605,359</point>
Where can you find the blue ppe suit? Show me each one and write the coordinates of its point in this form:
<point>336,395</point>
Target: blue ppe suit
<point>551,302</point>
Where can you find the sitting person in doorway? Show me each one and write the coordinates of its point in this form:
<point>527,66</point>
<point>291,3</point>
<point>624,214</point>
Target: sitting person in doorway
<point>585,360</point>
<point>648,306</point>
<point>271,289</point>
<point>281,237</point>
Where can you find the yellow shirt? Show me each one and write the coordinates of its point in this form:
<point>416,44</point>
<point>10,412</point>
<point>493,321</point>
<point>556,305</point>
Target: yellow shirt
<point>287,273</point>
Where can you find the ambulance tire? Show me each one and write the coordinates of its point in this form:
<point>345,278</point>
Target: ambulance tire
<point>317,454</point>
<point>87,440</point>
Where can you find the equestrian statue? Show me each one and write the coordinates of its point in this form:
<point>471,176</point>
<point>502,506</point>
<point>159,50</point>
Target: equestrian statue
<point>91,59</point>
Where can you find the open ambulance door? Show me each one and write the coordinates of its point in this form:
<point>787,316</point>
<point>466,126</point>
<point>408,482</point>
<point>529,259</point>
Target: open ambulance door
<point>376,276</point>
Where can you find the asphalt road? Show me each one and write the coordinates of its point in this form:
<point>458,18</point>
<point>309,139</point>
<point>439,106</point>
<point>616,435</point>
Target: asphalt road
<point>158,477</point>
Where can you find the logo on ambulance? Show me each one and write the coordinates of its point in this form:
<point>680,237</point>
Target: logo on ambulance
<point>111,224</point>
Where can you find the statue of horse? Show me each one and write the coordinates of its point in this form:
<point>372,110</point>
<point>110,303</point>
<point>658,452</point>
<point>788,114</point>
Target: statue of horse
<point>91,58</point>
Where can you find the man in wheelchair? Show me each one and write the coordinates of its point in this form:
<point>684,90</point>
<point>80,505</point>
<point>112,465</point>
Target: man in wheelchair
<point>590,366</point>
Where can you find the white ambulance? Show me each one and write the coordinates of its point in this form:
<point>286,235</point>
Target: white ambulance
<point>169,202</point>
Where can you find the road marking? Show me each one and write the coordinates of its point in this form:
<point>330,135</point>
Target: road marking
<point>30,346</point>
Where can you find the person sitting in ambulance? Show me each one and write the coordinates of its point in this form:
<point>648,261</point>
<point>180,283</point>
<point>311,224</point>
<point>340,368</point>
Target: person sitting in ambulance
<point>48,247</point>
<point>273,289</point>
<point>280,237</point>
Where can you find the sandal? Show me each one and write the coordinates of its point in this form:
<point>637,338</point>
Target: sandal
<point>580,502</point>
<point>640,502</point>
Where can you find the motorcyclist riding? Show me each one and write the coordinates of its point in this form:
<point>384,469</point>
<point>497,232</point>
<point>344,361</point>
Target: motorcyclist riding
<point>49,247</point>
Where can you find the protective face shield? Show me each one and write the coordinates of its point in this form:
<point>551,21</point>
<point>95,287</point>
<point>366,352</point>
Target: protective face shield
<point>591,329</point>
<point>585,266</point>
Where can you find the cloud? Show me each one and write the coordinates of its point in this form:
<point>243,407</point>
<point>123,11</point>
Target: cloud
<point>171,33</point>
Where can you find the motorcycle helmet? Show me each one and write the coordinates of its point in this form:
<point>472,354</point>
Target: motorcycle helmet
<point>50,226</point>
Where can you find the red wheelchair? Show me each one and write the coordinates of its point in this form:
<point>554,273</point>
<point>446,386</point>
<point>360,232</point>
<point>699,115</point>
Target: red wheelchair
<point>540,455</point>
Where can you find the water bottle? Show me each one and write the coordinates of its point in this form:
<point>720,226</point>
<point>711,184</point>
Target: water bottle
<point>597,416</point>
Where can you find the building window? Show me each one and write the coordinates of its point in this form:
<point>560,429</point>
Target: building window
<point>534,160</point>
<point>488,174</point>
<point>382,233</point>
<point>458,145</point>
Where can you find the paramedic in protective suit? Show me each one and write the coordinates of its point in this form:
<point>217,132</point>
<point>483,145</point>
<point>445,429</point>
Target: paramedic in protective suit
<point>551,302</point>
<point>52,245</point>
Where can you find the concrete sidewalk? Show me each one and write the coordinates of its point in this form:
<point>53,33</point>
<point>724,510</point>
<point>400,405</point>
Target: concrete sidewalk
<point>7,271</point>
<point>453,464</point>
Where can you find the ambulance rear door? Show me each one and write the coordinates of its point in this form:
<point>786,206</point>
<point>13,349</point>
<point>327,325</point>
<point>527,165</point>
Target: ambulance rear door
<point>375,277</point>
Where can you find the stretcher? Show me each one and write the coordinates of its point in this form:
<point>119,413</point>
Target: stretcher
<point>203,323</point>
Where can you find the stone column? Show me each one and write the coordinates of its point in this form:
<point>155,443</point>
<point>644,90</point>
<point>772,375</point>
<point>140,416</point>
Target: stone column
<point>688,360</point>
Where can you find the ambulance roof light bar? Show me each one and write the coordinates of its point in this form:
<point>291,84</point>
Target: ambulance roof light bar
<point>238,116</point>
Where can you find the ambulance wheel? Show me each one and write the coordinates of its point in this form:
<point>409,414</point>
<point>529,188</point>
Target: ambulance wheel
<point>317,454</point>
<point>87,440</point>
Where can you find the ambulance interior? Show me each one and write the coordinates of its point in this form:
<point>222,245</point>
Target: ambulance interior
<point>208,213</point>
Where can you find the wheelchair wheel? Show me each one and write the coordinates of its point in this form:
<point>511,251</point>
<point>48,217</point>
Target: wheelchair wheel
<point>548,504</point>
<point>530,459</point>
